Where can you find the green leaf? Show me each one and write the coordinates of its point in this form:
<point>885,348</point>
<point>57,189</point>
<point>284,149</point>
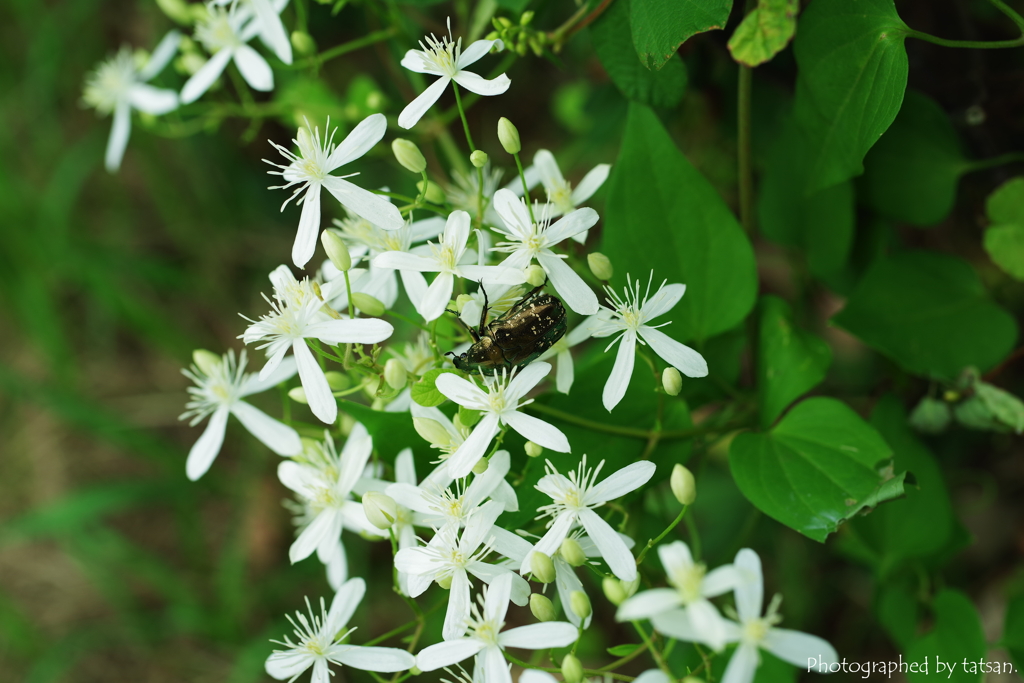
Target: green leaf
<point>425,391</point>
<point>931,416</point>
<point>1013,630</point>
<point>822,223</point>
<point>635,81</point>
<point>623,650</point>
<point>790,361</point>
<point>764,32</point>
<point>896,608</point>
<point>661,26</point>
<point>912,172</point>
<point>1004,241</point>
<point>850,83</point>
<point>929,313</point>
<point>653,187</point>
<point>1003,405</point>
<point>1006,203</point>
<point>956,641</point>
<point>818,466</point>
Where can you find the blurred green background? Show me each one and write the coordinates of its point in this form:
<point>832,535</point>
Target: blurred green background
<point>114,567</point>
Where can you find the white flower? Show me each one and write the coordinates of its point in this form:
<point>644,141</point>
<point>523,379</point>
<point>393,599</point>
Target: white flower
<point>296,316</point>
<point>219,394</point>
<point>629,316</point>
<point>528,241</point>
<point>754,632</point>
<point>118,85</point>
<point>574,499</point>
<point>474,307</point>
<point>465,193</point>
<point>561,195</point>
<point>445,58</point>
<point>486,640</point>
<point>225,34</point>
<point>691,588</point>
<point>326,486</point>
<point>500,405</point>
<point>310,170</point>
<point>564,373</point>
<point>271,29</point>
<point>450,558</point>
<point>445,260</point>
<point>318,642</point>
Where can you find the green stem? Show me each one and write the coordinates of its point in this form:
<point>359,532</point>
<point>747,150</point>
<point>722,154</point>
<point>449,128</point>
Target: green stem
<point>628,658</point>
<point>348,290</point>
<point>662,664</point>
<point>554,670</point>
<point>979,44</point>
<point>656,540</point>
<point>982,164</point>
<point>632,432</point>
<point>746,167</point>
<point>462,115</point>
<point>345,48</point>
<point>526,189</point>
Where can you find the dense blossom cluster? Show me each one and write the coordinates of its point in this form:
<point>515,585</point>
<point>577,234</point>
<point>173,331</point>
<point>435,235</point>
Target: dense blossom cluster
<point>488,247</point>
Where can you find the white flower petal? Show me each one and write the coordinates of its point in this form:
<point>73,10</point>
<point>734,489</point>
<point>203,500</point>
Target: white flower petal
<point>613,550</point>
<point>314,383</point>
<point>364,203</point>
<point>567,583</point>
<point>551,541</point>
<point>569,285</point>
<point>742,666</point>
<point>415,110</point>
<point>513,214</point>
<point>447,653</point>
<point>498,275</point>
<point>622,371</point>
<point>525,380</point>
<point>254,69</point>
<point>480,85</point>
<point>799,648</point>
<point>325,526</point>
<point>663,301</point>
<point>652,676</point>
<point>361,140</point>
<point>344,605</point>
<point>457,615</point>
<point>474,52</point>
<point>275,435</point>
<point>281,373</point>
<point>719,581</point>
<point>675,623</point>
<point>456,231</point>
<point>682,357</point>
<point>629,478</point>
<point>272,31</point>
<point>207,446</point>
<point>380,659</point>
<point>288,663</point>
<point>437,296</point>
<point>351,331</point>
<point>163,53</point>
<point>646,604</point>
<point>152,100</point>
<point>708,623</point>
<point>495,668</point>
<point>321,671</point>
<point>750,592</point>
<point>309,226</point>
<point>590,183</point>
<point>571,224</point>
<point>547,169</point>
<point>462,461</point>
<point>675,556</point>
<point>120,130</point>
<point>403,260</point>
<point>415,286</point>
<point>414,60</point>
<point>498,595</point>
<point>202,79</point>
<point>564,373</point>
<point>539,636</point>
<point>537,431</point>
<point>460,390</point>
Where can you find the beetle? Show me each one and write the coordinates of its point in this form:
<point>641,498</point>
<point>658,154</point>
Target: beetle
<point>517,337</point>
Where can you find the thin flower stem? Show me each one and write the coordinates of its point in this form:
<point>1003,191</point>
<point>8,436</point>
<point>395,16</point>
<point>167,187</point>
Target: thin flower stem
<point>746,165</point>
<point>551,669</point>
<point>695,547</point>
<point>662,664</point>
<point>344,48</point>
<point>624,660</point>
<point>1008,158</point>
<point>348,290</point>
<point>979,44</point>
<point>462,115</point>
<point>526,190</point>
<point>656,540</point>
<point>632,432</point>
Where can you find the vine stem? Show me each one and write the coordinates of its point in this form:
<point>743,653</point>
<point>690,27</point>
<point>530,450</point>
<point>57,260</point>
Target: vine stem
<point>746,167</point>
<point>631,432</point>
<point>662,664</point>
<point>978,44</point>
<point>345,48</point>
<point>554,670</point>
<point>656,540</point>
<point>526,189</point>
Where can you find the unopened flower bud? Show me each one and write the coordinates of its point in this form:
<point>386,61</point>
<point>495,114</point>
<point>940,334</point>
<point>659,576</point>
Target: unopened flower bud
<point>381,509</point>
<point>613,590</point>
<point>542,568</point>
<point>207,361</point>
<point>433,193</point>
<point>461,300</point>
<point>303,43</point>
<point>631,586</point>
<point>572,552</point>
<point>432,431</point>
<point>481,466</point>
<point>580,604</point>
<point>504,22</point>
<point>367,304</point>
<point>468,417</point>
<point>298,394</point>
<point>508,136</point>
<point>526,18</point>
<point>409,155</point>
<point>445,582</point>
<point>337,381</point>
<point>533,450</point>
<point>600,265</point>
<point>478,158</point>
<point>395,373</point>
<point>572,669</point>
<point>535,275</point>
<point>542,607</point>
<point>684,488</point>
<point>336,250</point>
<point>177,10</point>
<point>671,381</point>
<point>692,679</point>
<point>493,35</point>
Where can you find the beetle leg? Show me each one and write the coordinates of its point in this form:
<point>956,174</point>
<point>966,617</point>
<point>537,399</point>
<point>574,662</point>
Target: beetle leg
<point>483,311</point>
<point>469,329</point>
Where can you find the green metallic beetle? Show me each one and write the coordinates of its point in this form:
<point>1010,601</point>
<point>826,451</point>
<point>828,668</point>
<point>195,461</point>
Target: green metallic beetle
<point>517,337</point>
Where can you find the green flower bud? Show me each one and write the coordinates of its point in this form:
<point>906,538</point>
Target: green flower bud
<point>409,155</point>
<point>303,43</point>
<point>683,486</point>
<point>931,416</point>
<point>671,381</point>
<point>298,394</point>
<point>432,431</point>
<point>533,450</point>
<point>368,304</point>
<point>433,193</point>
<point>572,552</point>
<point>481,466</point>
<point>692,679</point>
<point>572,669</point>
<point>461,300</point>
<point>336,249</point>
<point>414,671</point>
<point>522,45</point>
<point>526,18</point>
<point>505,22</point>
<point>493,35</point>
<point>337,381</point>
<point>381,509</point>
<point>614,590</point>
<point>176,10</point>
<point>468,417</point>
<point>445,582</point>
<point>478,158</point>
<point>207,361</point>
<point>542,608</point>
<point>508,136</point>
<point>535,45</point>
<point>535,275</point>
<point>580,604</point>
<point>600,265</point>
<point>542,568</point>
<point>395,373</point>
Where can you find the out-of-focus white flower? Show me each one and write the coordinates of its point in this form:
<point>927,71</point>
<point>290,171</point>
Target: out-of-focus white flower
<point>220,394</point>
<point>486,640</point>
<point>527,240</point>
<point>564,372</point>
<point>445,260</point>
<point>311,168</point>
<point>296,316</point>
<point>561,194</point>
<point>465,193</point>
<point>318,642</point>
<point>573,501</point>
<point>628,316</point>
<point>118,85</point>
<point>444,57</point>
<point>686,602</point>
<point>500,405</point>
